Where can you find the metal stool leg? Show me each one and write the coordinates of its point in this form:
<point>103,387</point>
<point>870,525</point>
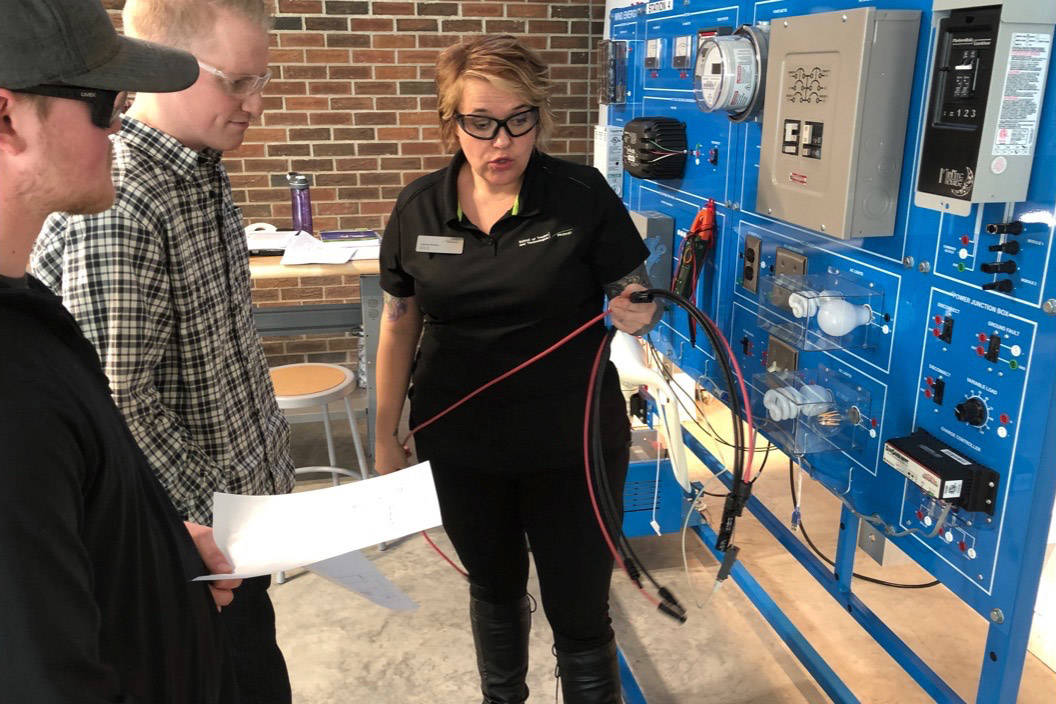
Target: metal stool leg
<point>329,441</point>
<point>357,441</point>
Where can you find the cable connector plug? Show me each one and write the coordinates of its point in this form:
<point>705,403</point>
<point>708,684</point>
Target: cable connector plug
<point>794,523</point>
<point>732,509</point>
<point>728,561</point>
<point>673,610</point>
<point>632,572</point>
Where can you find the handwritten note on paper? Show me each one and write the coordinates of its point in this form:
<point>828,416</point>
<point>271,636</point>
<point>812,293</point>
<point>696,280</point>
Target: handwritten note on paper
<point>266,534</point>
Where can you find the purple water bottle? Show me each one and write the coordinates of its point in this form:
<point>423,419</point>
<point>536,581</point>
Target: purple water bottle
<point>300,201</point>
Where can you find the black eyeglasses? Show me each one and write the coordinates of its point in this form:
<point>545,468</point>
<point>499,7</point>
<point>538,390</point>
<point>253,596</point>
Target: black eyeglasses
<point>106,105</point>
<point>484,127</point>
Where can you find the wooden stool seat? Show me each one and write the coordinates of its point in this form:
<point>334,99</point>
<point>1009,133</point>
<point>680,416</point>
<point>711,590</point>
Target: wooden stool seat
<point>314,385</point>
<point>305,379</point>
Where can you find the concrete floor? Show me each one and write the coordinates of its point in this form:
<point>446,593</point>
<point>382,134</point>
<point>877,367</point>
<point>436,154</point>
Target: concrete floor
<point>341,648</point>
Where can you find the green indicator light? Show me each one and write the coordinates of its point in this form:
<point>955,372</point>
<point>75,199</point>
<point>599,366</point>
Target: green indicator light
<point>960,267</point>
<point>1014,364</point>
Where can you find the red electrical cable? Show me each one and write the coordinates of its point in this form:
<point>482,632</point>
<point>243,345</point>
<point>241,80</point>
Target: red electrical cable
<point>441,553</point>
<point>511,372</point>
<point>494,381</point>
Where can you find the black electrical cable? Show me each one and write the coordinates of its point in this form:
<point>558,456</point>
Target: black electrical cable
<point>691,414</point>
<point>724,364</point>
<point>601,477</point>
<point>820,554</point>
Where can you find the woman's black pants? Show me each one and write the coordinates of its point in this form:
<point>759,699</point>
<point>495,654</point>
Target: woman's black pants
<point>492,517</point>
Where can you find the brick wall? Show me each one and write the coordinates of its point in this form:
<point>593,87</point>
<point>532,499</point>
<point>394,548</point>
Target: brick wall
<point>353,106</point>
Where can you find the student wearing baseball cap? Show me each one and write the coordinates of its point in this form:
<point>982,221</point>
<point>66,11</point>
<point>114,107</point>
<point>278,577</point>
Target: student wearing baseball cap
<point>96,598</point>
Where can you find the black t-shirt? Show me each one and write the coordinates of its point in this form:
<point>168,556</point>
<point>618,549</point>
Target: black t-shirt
<point>96,602</point>
<point>507,296</point>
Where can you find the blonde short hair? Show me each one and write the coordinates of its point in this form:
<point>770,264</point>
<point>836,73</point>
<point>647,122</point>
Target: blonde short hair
<point>504,62</point>
<point>179,22</point>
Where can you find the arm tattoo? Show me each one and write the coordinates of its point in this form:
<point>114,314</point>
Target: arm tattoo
<point>395,306</point>
<point>638,276</point>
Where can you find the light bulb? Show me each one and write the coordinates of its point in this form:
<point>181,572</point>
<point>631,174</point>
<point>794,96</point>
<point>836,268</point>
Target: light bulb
<point>837,317</point>
<point>787,402</point>
<point>804,304</point>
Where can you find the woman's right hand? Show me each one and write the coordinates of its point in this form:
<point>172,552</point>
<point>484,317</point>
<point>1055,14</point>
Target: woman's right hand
<point>389,455</point>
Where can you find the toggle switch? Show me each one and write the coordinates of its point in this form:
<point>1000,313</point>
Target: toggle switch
<point>1005,267</point>
<point>1001,286</point>
<point>1010,247</point>
<point>1001,228</point>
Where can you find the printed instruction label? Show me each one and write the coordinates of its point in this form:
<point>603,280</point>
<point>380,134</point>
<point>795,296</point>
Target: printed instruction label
<point>1017,122</point>
<point>659,6</point>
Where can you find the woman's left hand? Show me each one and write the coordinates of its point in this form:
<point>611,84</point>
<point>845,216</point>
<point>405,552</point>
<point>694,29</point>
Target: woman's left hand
<point>632,318</point>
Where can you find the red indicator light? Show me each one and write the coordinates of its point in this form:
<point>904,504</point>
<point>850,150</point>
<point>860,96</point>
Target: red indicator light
<point>983,337</point>
<point>962,546</point>
<point>927,393</point>
<point>980,351</point>
<point>938,320</point>
<point>965,239</point>
<point>874,422</point>
<point>920,515</point>
<point>931,382</point>
<point>936,332</point>
<point>1003,418</point>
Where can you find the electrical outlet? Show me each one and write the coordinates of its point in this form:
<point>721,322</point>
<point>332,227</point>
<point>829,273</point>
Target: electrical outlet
<point>753,253</point>
<point>787,263</point>
<point>780,356</point>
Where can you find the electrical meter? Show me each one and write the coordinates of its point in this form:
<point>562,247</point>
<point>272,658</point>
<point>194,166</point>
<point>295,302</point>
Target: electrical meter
<point>730,73</point>
<point>683,53</point>
<point>653,49</point>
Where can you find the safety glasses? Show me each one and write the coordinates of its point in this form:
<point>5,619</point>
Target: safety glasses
<point>241,85</point>
<point>484,127</point>
<point>106,105</point>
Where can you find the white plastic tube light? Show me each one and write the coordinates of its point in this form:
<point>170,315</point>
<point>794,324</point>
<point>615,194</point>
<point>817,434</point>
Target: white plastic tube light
<point>787,402</point>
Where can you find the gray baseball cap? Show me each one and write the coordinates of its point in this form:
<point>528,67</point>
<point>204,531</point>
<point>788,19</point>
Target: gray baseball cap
<point>72,42</point>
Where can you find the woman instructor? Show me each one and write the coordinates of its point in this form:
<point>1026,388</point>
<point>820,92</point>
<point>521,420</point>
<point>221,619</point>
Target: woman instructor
<point>498,256</point>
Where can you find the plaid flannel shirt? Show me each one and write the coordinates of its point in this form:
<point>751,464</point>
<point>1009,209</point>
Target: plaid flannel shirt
<point>160,285</point>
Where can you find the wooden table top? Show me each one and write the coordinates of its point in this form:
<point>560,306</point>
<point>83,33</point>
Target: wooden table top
<point>269,268</point>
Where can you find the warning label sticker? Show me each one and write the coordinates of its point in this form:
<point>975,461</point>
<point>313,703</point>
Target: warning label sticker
<point>1017,123</point>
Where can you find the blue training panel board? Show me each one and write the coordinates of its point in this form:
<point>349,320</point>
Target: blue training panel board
<point>989,562</point>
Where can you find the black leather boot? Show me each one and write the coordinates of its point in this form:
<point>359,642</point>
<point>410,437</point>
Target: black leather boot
<point>500,633</point>
<point>590,677</point>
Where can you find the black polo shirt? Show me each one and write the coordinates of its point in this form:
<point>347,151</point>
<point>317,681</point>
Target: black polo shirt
<point>505,297</point>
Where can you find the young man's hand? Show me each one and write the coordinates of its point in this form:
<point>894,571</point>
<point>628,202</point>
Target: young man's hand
<point>223,591</point>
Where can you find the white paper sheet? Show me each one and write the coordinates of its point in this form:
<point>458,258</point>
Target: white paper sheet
<point>361,249</point>
<point>355,572</point>
<point>267,534</point>
<point>366,252</point>
<point>305,249</point>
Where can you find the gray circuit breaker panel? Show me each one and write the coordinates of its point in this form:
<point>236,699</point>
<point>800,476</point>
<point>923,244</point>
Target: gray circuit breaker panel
<point>834,122</point>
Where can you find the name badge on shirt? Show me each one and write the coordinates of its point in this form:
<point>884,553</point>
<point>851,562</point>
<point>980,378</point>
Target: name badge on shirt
<point>434,244</point>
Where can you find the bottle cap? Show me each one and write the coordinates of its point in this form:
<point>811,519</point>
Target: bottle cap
<point>297,180</point>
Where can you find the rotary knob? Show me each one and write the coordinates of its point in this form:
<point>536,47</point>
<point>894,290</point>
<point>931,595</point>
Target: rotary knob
<point>971,411</point>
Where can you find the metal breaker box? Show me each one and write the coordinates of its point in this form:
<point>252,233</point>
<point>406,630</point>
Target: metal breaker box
<point>834,123</point>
